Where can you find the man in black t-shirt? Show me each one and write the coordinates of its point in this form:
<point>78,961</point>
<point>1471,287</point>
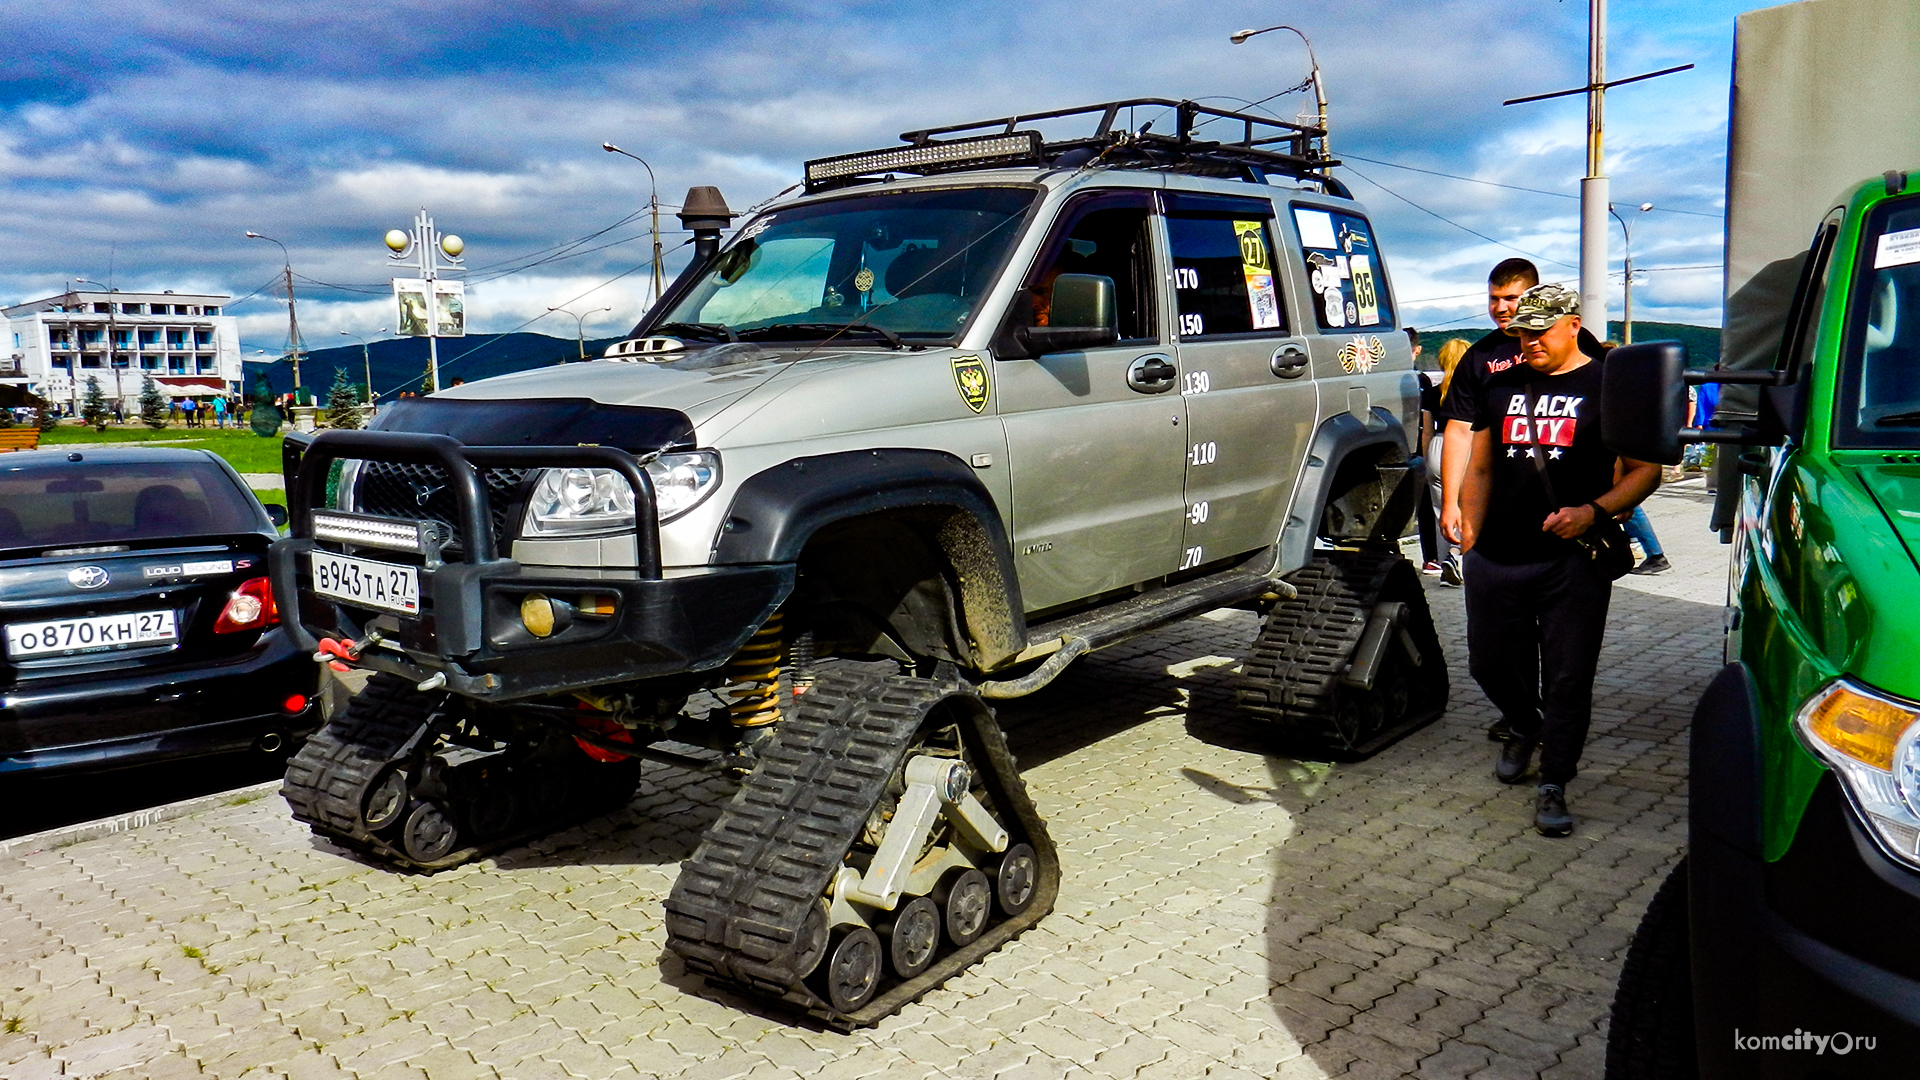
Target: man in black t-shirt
<point>1538,477</point>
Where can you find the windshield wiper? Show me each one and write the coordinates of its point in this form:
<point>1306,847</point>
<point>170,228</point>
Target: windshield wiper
<point>1897,419</point>
<point>826,329</point>
<point>712,331</point>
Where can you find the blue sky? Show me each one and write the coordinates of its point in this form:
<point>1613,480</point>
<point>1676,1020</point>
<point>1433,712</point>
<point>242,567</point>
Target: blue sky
<point>140,139</point>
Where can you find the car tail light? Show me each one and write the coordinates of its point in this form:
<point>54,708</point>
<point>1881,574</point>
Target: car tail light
<point>251,607</point>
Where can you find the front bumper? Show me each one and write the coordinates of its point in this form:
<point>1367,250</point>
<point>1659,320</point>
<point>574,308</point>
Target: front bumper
<point>1817,942</point>
<point>468,628</point>
<point>54,725</point>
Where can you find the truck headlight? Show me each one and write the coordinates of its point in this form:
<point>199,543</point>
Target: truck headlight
<point>598,502</point>
<point>1872,744</point>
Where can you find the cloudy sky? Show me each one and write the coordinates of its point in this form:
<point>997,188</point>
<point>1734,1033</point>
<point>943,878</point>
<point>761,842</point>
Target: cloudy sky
<point>139,139</point>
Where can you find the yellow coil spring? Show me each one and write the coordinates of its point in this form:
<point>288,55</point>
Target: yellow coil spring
<point>757,665</point>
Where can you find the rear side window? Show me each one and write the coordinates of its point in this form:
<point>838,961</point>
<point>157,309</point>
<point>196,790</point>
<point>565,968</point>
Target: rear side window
<point>118,502</point>
<point>1344,269</point>
<point>1223,273</point>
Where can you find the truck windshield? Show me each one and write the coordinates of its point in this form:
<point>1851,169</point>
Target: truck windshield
<point>914,263</point>
<point>1879,399</point>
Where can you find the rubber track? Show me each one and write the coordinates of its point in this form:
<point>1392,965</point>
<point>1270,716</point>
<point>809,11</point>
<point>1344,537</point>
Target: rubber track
<point>737,909</point>
<point>1291,675</point>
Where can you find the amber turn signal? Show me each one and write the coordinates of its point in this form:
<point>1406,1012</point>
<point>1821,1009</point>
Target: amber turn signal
<point>1864,728</point>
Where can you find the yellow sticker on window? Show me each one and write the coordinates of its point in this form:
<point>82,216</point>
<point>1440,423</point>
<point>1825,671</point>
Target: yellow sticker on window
<point>1263,301</point>
<point>1365,299</point>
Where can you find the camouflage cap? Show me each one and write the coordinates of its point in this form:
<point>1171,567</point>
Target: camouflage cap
<point>1542,306</point>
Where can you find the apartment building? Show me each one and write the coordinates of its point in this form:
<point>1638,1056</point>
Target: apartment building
<point>183,340</point>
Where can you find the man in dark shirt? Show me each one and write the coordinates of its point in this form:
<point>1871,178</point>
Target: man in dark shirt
<point>1538,477</point>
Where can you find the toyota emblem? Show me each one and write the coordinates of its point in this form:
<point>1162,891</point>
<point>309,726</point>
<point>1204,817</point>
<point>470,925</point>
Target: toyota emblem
<point>87,577</point>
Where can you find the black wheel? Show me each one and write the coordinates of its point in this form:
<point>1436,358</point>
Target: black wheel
<point>1016,880</point>
<point>386,800</point>
<point>913,936</point>
<point>430,834</point>
<point>966,898</point>
<point>811,944</point>
<point>851,973</point>
<point>494,812</point>
<point>1652,1034</point>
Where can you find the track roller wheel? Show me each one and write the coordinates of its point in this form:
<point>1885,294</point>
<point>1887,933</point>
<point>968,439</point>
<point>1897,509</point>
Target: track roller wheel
<point>430,835</point>
<point>1015,879</point>
<point>851,973</point>
<point>912,936</point>
<point>494,812</point>
<point>966,897</point>
<point>386,800</point>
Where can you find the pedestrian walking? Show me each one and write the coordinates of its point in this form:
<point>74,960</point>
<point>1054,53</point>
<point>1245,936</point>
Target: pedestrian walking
<point>1539,479</point>
<point>1434,442</point>
<point>220,412</point>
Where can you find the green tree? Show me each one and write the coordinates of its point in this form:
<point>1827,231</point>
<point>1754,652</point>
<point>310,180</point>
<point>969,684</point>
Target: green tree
<point>153,403</point>
<point>93,407</point>
<point>343,400</point>
<point>46,418</point>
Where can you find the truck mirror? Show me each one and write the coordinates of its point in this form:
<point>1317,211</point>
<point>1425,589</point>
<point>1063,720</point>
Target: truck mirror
<point>1083,315</point>
<point>1643,400</point>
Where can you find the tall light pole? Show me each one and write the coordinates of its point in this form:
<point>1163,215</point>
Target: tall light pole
<point>580,325</point>
<point>365,359</point>
<point>113,331</point>
<point>653,202</point>
<point>293,316</point>
<point>1626,235</point>
<point>427,245</point>
<point>1319,85</point>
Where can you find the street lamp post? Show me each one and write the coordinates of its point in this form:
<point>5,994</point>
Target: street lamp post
<point>1319,85</point>
<point>1626,235</point>
<point>293,317</point>
<point>653,202</point>
<point>113,331</point>
<point>580,325</point>
<point>365,359</point>
<point>426,245</point>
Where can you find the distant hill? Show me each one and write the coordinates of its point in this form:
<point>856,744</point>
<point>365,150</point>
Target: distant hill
<point>1702,342</point>
<point>401,363</point>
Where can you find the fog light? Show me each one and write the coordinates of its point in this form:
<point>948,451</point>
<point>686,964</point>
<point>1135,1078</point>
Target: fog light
<point>543,616</point>
<point>294,703</point>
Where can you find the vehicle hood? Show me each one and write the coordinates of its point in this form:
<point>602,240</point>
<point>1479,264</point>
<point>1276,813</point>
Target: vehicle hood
<point>1897,489</point>
<point>699,384</point>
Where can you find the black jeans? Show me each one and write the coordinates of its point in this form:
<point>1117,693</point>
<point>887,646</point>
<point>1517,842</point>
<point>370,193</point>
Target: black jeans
<point>1533,645</point>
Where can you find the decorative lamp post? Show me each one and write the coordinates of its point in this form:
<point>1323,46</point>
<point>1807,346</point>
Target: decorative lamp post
<point>653,203</point>
<point>1319,85</point>
<point>1626,286</point>
<point>580,325</point>
<point>293,316</point>
<point>427,246</point>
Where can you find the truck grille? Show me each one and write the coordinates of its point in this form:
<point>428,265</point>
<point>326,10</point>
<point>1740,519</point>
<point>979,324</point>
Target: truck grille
<point>389,489</point>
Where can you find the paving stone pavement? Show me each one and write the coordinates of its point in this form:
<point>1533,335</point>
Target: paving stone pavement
<point>1225,913</point>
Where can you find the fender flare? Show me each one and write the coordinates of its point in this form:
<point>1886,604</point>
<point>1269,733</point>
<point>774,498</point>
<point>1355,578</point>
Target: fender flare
<point>777,511</point>
<point>1724,761</point>
<point>1339,438</point>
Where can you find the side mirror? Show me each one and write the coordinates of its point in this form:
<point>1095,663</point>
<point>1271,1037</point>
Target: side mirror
<point>1083,315</point>
<point>1643,400</point>
<point>276,514</point>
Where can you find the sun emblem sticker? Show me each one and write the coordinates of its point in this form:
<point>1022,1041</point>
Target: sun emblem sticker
<point>1359,355</point>
<point>863,280</point>
<point>970,375</point>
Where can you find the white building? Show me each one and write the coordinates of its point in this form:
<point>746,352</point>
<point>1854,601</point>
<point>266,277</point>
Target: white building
<point>181,339</point>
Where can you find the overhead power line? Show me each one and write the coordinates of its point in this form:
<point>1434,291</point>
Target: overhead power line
<point>1511,187</point>
<point>1455,224</point>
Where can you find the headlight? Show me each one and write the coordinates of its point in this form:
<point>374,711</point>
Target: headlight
<point>1873,745</point>
<point>598,502</point>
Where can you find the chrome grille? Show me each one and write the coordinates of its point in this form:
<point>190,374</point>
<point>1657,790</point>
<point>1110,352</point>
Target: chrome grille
<point>390,489</point>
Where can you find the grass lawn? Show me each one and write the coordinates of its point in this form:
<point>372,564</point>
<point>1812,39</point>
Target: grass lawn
<point>245,451</point>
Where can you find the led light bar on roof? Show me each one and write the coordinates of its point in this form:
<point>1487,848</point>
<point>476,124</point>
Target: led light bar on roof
<point>1019,144</point>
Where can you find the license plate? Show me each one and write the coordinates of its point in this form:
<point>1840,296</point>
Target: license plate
<point>367,583</point>
<point>94,634</point>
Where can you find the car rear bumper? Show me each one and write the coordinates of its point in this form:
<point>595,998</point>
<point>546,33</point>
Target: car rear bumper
<point>54,725</point>
<point>1815,943</point>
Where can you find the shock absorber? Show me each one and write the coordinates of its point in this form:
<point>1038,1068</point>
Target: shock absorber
<point>800,660</point>
<point>757,666</point>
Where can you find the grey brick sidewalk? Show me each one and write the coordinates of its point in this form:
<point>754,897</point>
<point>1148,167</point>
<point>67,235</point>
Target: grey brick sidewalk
<point>1225,913</point>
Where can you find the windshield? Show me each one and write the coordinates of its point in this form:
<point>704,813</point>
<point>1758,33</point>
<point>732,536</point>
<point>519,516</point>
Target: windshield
<point>914,264</point>
<point>110,502</point>
<point>1879,399</point>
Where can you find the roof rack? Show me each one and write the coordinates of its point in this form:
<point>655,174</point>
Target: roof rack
<point>1266,145</point>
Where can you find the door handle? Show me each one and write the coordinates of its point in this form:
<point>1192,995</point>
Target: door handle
<point>1290,360</point>
<point>1152,374</point>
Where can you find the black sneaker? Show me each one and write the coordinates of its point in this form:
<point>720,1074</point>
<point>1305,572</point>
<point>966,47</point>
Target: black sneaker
<point>1450,574</point>
<point>1514,757</point>
<point>1550,816</point>
<point>1653,565</point>
<point>1500,730</point>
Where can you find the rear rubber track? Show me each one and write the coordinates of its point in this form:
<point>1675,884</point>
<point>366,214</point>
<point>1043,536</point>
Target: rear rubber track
<point>739,912</point>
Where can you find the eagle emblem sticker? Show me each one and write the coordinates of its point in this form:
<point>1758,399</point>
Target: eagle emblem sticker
<point>971,376</point>
<point>1359,355</point>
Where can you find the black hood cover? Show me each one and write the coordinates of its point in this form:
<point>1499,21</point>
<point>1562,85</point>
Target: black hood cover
<point>541,422</point>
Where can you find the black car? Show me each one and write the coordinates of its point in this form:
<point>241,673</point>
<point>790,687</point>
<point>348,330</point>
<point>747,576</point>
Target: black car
<point>136,622</point>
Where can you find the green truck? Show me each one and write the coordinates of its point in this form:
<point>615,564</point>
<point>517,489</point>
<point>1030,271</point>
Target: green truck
<point>1781,946</point>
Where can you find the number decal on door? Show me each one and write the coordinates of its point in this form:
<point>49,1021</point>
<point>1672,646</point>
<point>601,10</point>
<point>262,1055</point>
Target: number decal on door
<point>1195,382</point>
<point>1203,454</point>
<point>1191,558</point>
<point>1192,325</point>
<point>1197,513</point>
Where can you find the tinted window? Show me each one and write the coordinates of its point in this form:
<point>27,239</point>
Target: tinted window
<point>115,502</point>
<point>1223,274</point>
<point>1879,399</point>
<point>1349,286</point>
<point>1104,235</point>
